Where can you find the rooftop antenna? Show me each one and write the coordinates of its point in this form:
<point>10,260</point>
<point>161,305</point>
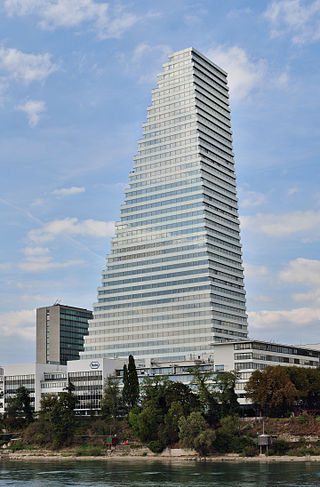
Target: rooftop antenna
<point>57,301</point>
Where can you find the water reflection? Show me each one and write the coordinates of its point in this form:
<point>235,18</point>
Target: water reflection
<point>158,474</point>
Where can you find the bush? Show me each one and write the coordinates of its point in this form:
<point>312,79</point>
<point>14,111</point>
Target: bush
<point>190,428</point>
<point>16,446</point>
<point>89,451</point>
<point>279,447</point>
<point>203,443</point>
<point>38,433</point>
<point>249,451</point>
<point>155,446</point>
<point>303,419</point>
<point>223,441</point>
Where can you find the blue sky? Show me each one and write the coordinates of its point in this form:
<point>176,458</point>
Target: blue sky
<point>75,81</point>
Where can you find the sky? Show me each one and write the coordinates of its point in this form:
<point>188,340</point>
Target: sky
<point>75,82</point>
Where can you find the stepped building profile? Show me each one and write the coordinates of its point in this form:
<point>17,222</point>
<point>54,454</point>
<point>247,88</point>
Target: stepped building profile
<point>173,285</point>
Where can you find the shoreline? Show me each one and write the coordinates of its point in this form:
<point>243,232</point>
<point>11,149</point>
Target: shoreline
<point>45,456</point>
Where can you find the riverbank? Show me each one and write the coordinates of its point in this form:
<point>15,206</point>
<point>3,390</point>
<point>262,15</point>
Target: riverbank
<point>173,457</point>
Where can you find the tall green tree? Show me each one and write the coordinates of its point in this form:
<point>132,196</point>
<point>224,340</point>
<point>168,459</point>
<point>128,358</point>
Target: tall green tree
<point>133,384</point>
<point>228,399</point>
<point>62,416</point>
<point>111,402</point>
<point>203,382</point>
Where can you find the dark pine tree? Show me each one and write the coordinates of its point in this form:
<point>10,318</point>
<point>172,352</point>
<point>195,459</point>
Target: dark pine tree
<point>133,383</point>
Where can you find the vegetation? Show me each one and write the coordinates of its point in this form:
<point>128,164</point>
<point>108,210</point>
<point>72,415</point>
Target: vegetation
<point>203,416</point>
<point>111,403</point>
<point>272,391</point>
<point>19,411</point>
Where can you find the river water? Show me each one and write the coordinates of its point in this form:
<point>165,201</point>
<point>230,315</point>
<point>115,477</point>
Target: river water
<point>157,474</point>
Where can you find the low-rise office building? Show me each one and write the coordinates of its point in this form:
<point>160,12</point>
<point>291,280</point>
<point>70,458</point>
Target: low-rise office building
<point>245,356</point>
<point>89,376</point>
<point>28,375</point>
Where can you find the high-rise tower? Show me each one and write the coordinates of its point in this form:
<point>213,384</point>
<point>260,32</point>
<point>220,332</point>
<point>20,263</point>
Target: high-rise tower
<point>174,280</point>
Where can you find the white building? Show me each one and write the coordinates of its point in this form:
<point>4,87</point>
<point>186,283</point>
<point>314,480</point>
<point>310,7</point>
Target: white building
<point>89,376</point>
<point>249,355</point>
<point>28,375</point>
<point>174,279</point>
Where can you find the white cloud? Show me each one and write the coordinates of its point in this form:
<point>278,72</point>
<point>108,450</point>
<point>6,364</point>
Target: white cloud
<point>301,271</point>
<point>298,19</point>
<point>292,191</point>
<point>25,67</point>
<point>251,198</point>
<point>277,319</point>
<point>34,251</point>
<point>148,58</point>
<point>38,260</point>
<point>33,109</point>
<point>108,21</point>
<point>252,270</point>
<point>18,323</point>
<point>69,191</point>
<point>244,74</point>
<point>306,223</point>
<point>304,271</point>
<point>71,227</point>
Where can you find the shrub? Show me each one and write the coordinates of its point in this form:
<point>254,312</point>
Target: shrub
<point>190,428</point>
<point>89,451</point>
<point>223,441</point>
<point>279,447</point>
<point>38,433</point>
<point>16,445</point>
<point>303,419</point>
<point>155,446</point>
<point>249,451</point>
<point>203,443</point>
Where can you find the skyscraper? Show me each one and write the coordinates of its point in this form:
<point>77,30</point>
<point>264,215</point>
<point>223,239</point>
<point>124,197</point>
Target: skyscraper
<point>60,333</point>
<point>174,280</point>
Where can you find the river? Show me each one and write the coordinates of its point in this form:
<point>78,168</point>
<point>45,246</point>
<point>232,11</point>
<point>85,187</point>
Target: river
<point>157,474</point>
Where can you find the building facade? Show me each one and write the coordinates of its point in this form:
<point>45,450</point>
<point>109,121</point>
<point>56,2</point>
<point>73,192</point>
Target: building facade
<point>249,355</point>
<point>174,280</point>
<point>60,332</point>
<point>29,376</point>
<point>88,376</point>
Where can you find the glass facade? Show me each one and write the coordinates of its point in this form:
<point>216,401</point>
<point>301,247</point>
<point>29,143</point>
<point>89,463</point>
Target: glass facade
<point>73,329</point>
<point>174,279</point>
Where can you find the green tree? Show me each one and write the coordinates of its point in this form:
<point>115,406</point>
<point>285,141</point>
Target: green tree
<point>204,442</point>
<point>133,384</point>
<point>18,407</point>
<point>47,403</point>
<point>145,424</point>
<point>177,392</point>
<point>190,428</point>
<point>111,402</point>
<point>207,394</point>
<point>62,418</point>
<point>307,382</point>
<point>125,390</point>
<point>169,433</point>
<point>228,399</point>
<point>272,390</point>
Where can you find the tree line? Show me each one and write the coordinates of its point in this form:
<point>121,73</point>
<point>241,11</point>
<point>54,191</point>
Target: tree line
<point>160,412</point>
<point>278,391</point>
